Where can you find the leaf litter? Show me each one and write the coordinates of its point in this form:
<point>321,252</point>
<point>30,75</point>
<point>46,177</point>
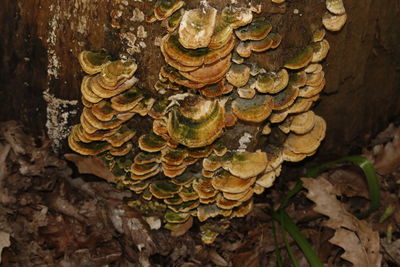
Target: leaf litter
<point>53,216</point>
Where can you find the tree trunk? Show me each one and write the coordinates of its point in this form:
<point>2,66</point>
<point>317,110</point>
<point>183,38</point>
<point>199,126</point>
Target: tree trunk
<point>40,75</point>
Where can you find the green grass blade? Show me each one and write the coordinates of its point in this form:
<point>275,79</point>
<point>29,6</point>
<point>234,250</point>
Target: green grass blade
<point>278,256</point>
<point>290,194</point>
<point>287,245</point>
<point>293,230</point>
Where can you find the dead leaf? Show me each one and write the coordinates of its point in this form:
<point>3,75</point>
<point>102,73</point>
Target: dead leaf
<point>4,194</point>
<point>4,241</point>
<point>217,259</point>
<point>92,165</point>
<point>182,228</point>
<point>33,157</point>
<point>354,252</point>
<point>189,264</point>
<point>246,259</point>
<point>4,149</point>
<point>360,242</point>
<point>386,153</point>
<point>393,250</point>
<point>14,135</point>
<point>349,182</point>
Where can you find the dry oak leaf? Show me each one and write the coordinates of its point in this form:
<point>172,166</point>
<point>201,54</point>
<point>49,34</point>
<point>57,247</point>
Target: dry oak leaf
<point>4,241</point>
<point>91,165</point>
<point>393,250</point>
<point>360,242</point>
<point>386,155</point>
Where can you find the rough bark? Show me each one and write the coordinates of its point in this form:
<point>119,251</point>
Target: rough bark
<point>40,74</point>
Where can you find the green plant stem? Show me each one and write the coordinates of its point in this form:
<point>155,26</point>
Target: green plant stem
<point>287,245</point>
<point>277,251</point>
<point>389,233</point>
<point>287,224</point>
<point>389,211</point>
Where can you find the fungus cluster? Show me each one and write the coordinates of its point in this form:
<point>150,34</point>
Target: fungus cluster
<point>110,99</point>
<point>335,18</point>
<point>210,101</point>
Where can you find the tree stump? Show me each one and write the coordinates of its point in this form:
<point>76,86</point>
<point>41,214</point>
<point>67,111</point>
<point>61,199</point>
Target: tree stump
<point>40,74</point>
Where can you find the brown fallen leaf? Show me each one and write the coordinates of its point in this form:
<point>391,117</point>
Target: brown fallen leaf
<point>385,154</point>
<point>4,241</point>
<point>217,259</point>
<point>349,182</point>
<point>189,264</point>
<point>246,259</point>
<point>4,150</point>
<point>181,229</point>
<point>91,165</point>
<point>392,249</point>
<point>20,142</point>
<point>32,154</point>
<point>360,242</point>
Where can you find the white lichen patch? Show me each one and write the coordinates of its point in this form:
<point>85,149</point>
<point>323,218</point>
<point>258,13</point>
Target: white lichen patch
<point>53,60</point>
<point>134,42</point>
<point>157,41</point>
<point>82,25</point>
<point>243,141</point>
<point>142,44</point>
<point>130,40</point>
<point>53,64</point>
<point>131,35</point>
<point>81,14</point>
<point>137,15</point>
<point>141,32</point>
<point>58,112</point>
<point>116,14</point>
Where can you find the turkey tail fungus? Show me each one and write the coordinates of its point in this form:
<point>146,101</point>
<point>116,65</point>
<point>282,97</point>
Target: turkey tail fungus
<point>186,115</point>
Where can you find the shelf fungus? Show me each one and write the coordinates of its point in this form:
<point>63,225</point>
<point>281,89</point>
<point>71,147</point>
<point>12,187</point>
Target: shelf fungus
<point>103,125</point>
<point>165,8</point>
<point>197,27</point>
<point>189,147</point>
<point>271,41</point>
<point>197,122</point>
<point>335,18</point>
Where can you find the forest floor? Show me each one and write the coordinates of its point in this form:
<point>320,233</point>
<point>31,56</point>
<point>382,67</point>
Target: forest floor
<point>50,215</point>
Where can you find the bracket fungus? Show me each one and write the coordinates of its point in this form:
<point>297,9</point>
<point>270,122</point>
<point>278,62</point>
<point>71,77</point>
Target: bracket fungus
<point>197,26</point>
<point>336,17</point>
<point>197,154</point>
<point>165,8</point>
<point>197,122</point>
